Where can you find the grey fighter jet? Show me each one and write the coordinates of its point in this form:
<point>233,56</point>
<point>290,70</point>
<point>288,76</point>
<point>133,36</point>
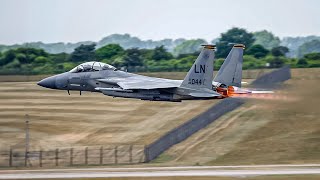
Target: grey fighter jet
<point>198,83</point>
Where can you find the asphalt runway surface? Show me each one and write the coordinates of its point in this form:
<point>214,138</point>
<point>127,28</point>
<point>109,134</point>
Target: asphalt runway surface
<point>231,171</point>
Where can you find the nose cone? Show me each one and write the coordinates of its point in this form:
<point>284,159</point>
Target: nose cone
<point>49,82</point>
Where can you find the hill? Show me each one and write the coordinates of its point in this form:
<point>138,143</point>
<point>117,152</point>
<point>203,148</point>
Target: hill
<point>293,43</point>
<point>124,40</point>
<point>128,41</point>
<point>284,128</point>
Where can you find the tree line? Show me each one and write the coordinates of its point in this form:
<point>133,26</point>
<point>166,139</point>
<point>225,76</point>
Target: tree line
<point>262,52</point>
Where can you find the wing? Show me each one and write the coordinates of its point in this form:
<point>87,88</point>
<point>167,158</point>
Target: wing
<point>142,82</point>
<point>149,84</point>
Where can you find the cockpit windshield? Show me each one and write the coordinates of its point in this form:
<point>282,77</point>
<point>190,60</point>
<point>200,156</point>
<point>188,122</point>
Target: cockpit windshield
<point>92,66</point>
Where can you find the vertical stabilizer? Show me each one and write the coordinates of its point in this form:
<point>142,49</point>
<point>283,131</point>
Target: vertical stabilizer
<point>201,73</point>
<point>230,72</point>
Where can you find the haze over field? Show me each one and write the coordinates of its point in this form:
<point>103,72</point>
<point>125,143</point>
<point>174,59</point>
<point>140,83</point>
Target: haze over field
<point>82,20</point>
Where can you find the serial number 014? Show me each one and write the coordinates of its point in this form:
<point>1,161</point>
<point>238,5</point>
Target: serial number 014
<point>196,81</point>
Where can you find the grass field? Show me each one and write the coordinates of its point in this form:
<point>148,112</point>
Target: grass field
<point>282,128</point>
<point>60,120</point>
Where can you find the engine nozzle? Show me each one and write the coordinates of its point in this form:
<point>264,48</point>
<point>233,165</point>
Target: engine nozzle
<point>226,92</point>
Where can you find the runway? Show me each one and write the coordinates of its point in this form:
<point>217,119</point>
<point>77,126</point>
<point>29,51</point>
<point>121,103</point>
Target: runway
<point>231,171</point>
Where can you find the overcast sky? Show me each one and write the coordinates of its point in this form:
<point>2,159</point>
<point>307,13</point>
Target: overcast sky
<point>80,20</point>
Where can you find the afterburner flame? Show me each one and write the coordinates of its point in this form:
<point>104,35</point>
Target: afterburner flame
<point>226,92</point>
<point>267,96</point>
<point>230,91</point>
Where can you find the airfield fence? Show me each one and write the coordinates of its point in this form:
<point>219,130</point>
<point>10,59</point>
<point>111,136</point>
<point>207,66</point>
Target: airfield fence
<point>74,156</point>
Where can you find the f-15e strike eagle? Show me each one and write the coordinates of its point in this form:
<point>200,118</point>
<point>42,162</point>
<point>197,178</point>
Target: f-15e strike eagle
<point>198,84</point>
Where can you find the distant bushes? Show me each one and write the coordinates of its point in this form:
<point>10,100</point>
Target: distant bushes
<point>262,51</point>
<point>37,61</point>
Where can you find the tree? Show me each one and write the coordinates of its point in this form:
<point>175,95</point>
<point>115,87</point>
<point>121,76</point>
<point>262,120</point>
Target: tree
<point>257,51</point>
<point>28,55</point>
<point>109,51</point>
<point>132,57</point>
<point>266,39</point>
<point>24,57</point>
<point>312,56</point>
<point>8,57</point>
<point>194,55</point>
<point>234,35</point>
<point>83,53</point>
<point>189,46</point>
<point>160,53</point>
<point>146,54</point>
<point>279,51</point>
<point>119,62</point>
<point>309,47</point>
<point>276,61</point>
<point>40,60</point>
<point>60,58</point>
<point>302,62</point>
<point>13,64</point>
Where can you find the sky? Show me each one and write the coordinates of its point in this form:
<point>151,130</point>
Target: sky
<point>81,20</point>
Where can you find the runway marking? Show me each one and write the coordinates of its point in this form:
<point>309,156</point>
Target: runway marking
<point>232,173</point>
<point>162,171</point>
<point>169,167</point>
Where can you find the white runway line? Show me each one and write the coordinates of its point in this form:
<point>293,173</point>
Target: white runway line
<point>171,168</point>
<point>160,172</point>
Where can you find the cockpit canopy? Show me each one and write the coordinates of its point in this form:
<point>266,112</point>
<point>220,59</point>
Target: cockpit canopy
<point>92,66</point>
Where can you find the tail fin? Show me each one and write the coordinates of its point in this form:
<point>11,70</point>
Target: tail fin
<point>230,72</point>
<point>201,73</point>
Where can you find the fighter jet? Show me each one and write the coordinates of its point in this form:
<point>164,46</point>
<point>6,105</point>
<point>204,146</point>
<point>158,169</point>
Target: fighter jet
<point>198,83</point>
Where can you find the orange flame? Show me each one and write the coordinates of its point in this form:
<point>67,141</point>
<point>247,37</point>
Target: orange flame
<point>226,92</point>
<point>266,96</point>
<point>230,91</point>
